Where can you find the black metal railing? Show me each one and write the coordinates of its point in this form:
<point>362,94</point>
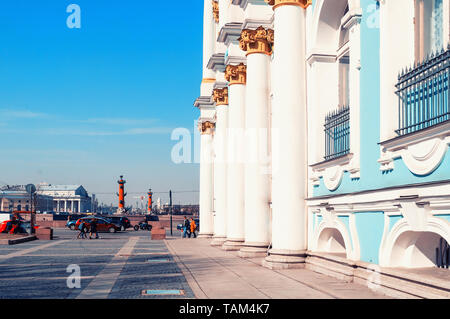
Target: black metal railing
<point>423,94</point>
<point>337,133</point>
<point>443,254</point>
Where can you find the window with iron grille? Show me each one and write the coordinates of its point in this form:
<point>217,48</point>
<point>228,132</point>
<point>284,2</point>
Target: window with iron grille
<point>337,133</point>
<point>424,94</point>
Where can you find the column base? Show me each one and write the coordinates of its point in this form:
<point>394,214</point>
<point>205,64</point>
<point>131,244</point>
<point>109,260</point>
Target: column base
<point>233,244</point>
<point>205,235</point>
<point>218,241</point>
<point>285,259</point>
<point>253,250</point>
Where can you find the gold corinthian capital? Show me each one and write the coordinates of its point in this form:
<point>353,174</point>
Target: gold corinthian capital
<point>278,3</point>
<point>215,5</point>
<point>220,96</point>
<point>256,41</point>
<point>206,127</point>
<point>236,74</point>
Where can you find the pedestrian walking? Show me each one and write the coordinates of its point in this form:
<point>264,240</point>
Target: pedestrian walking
<point>93,229</point>
<point>186,227</point>
<point>193,228</point>
<point>83,229</point>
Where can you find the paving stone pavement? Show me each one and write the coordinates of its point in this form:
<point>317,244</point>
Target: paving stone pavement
<point>109,268</point>
<point>123,265</point>
<point>217,274</point>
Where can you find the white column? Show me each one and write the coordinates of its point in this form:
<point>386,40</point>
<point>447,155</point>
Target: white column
<point>71,206</point>
<point>65,206</point>
<point>289,137</point>
<point>209,37</point>
<point>223,10</point>
<point>206,180</point>
<point>235,171</point>
<point>220,167</point>
<point>257,165</point>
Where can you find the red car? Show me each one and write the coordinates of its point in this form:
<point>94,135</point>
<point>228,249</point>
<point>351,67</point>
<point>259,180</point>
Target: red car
<point>8,226</point>
<point>102,224</point>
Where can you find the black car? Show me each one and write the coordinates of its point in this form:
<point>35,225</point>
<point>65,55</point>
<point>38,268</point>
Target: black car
<point>151,218</point>
<point>122,222</point>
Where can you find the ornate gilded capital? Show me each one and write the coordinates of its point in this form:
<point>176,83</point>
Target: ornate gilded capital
<point>206,127</point>
<point>215,5</point>
<point>220,96</point>
<point>278,3</point>
<point>236,74</point>
<point>256,41</point>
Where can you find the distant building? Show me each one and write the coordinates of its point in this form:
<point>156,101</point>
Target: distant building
<point>94,203</point>
<point>67,198</point>
<point>16,198</point>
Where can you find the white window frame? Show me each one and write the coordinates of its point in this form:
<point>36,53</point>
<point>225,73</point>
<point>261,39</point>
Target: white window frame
<point>332,171</point>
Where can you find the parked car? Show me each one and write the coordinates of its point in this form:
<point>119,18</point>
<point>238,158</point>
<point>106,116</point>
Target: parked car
<point>14,227</point>
<point>151,218</point>
<point>71,224</point>
<point>122,222</point>
<point>103,225</point>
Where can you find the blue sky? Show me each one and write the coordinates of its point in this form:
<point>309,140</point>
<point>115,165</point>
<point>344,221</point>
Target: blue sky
<point>82,106</point>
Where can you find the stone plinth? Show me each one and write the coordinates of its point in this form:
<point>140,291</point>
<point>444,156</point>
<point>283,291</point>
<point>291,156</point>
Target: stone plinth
<point>158,233</point>
<point>44,233</point>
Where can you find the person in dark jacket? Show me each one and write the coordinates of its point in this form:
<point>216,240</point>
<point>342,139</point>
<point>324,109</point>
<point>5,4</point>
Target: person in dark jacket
<point>186,227</point>
<point>83,229</point>
<point>93,229</point>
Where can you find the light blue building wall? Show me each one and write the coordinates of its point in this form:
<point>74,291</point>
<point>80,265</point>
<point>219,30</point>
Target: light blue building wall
<point>372,177</point>
<point>372,228</point>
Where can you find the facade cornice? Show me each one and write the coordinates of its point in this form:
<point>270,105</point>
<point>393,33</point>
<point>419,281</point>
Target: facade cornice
<point>437,191</point>
<point>244,3</point>
<point>217,62</point>
<point>234,60</point>
<point>204,102</point>
<point>321,58</point>
<point>255,23</point>
<point>220,85</point>
<point>351,18</point>
<point>230,32</point>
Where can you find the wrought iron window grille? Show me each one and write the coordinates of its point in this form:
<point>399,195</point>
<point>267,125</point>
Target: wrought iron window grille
<point>423,93</point>
<point>337,133</point>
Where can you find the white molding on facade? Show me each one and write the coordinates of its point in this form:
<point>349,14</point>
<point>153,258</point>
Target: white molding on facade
<point>323,57</point>
<point>331,220</point>
<point>422,152</point>
<point>404,257</point>
<point>333,171</point>
<point>420,215</point>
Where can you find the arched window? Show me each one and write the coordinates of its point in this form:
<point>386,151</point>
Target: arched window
<point>333,105</point>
